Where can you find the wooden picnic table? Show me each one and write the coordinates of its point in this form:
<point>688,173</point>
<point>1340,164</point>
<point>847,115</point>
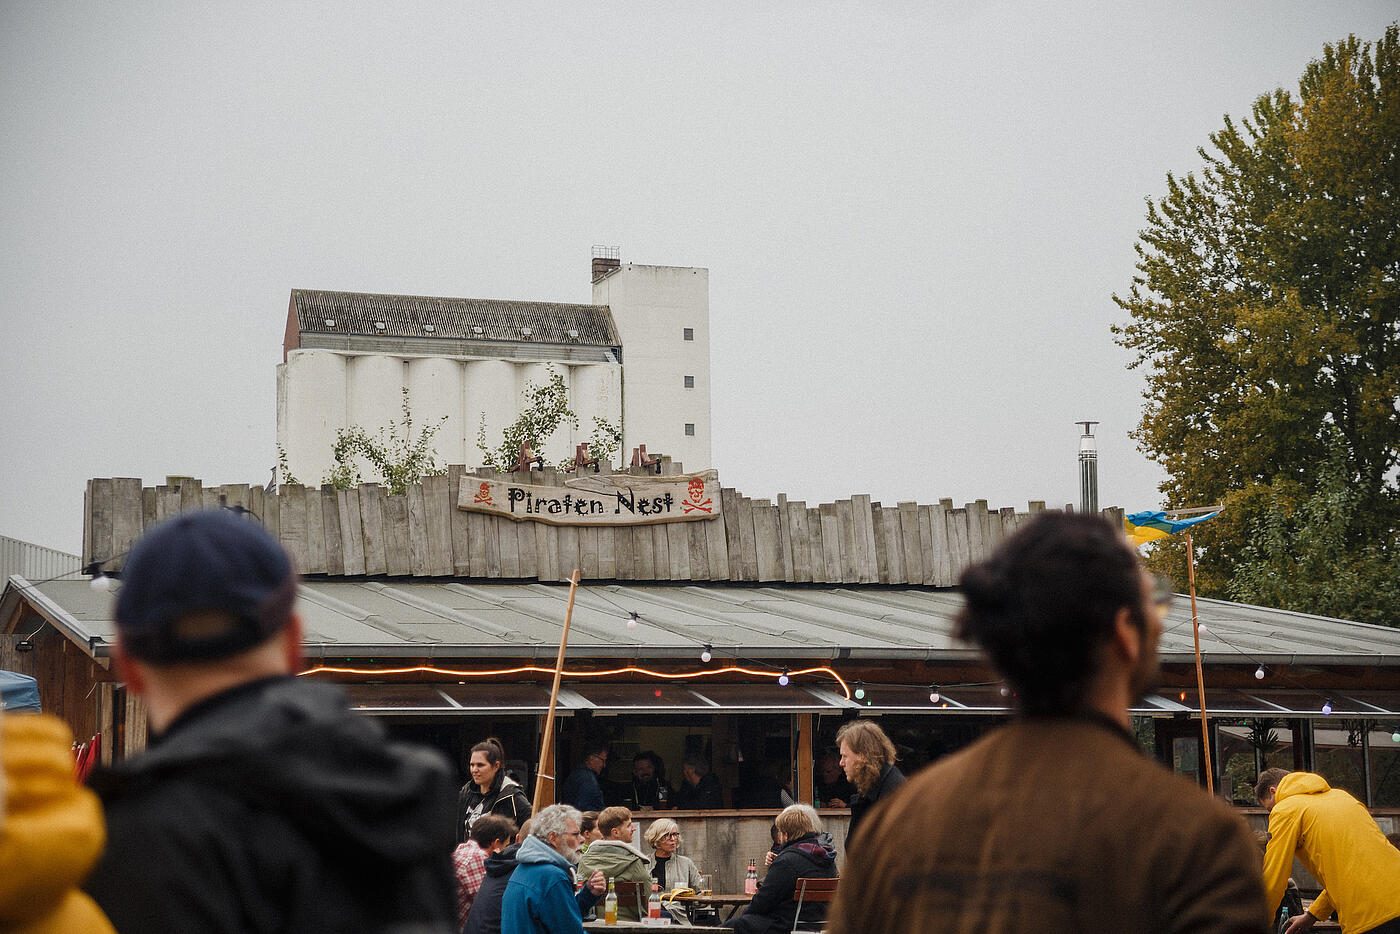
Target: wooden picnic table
<point>715,900</point>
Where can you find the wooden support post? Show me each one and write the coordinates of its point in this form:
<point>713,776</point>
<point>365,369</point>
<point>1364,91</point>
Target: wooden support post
<point>1200,678</point>
<point>546,769</point>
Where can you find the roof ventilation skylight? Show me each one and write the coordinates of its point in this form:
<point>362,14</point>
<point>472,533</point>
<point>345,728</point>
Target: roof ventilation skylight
<point>330,322</point>
<point>380,325</point>
<point>430,328</point>
<point>476,329</point>
<point>527,331</point>
<point>573,333</point>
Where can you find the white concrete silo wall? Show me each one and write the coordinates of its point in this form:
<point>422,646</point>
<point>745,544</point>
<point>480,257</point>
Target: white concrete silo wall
<point>488,389</point>
<point>652,306</point>
<point>597,392</point>
<point>560,445</point>
<point>312,392</point>
<point>435,388</point>
<point>374,398</point>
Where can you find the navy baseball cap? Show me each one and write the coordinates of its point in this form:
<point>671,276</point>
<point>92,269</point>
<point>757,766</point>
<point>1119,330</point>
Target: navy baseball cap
<point>211,562</point>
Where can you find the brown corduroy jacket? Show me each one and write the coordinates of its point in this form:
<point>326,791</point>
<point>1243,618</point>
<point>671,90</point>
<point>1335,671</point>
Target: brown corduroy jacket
<point>1051,825</point>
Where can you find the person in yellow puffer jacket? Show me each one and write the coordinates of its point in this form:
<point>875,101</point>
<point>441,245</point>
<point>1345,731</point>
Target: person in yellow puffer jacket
<point>1336,838</point>
<point>51,831</point>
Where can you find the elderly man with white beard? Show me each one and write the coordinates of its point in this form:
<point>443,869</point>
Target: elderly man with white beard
<point>540,898</point>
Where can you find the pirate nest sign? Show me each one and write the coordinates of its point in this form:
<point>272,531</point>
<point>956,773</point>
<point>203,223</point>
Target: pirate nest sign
<point>599,500</point>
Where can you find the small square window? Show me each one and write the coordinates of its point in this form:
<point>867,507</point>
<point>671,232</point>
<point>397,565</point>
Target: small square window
<point>690,429</point>
<point>688,334</point>
<point>690,382</point>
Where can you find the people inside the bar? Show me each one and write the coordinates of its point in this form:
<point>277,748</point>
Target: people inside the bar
<point>588,826</point>
<point>833,788</point>
<point>581,788</point>
<point>490,790</point>
<point>867,757</point>
<point>670,869</point>
<point>804,851</point>
<point>760,784</point>
<point>700,788</point>
<point>490,834</point>
<point>647,789</point>
<point>617,857</point>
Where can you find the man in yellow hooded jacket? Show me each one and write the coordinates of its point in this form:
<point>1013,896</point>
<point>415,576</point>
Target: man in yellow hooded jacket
<point>1337,840</point>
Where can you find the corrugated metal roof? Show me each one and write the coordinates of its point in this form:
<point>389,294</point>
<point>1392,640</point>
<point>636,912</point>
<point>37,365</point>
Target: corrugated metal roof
<point>453,619</point>
<point>409,316</point>
<point>34,562</point>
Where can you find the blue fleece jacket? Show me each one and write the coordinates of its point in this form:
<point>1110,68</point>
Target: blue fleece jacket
<point>540,897</point>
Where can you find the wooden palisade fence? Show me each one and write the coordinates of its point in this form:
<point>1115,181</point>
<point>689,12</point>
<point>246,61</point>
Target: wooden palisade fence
<point>367,532</point>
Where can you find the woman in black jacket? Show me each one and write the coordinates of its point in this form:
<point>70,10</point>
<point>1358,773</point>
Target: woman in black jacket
<point>868,757</point>
<point>491,790</point>
<point>803,852</point>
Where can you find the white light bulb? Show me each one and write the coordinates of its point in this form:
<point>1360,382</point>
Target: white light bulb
<point>1327,709</point>
<point>934,697</point>
<point>101,582</point>
<point>860,691</point>
<point>783,678</point>
<point>1395,737</point>
<point>1005,691</point>
<point>705,655</point>
<point>632,621</point>
<point>1259,672</point>
<point>1200,627</point>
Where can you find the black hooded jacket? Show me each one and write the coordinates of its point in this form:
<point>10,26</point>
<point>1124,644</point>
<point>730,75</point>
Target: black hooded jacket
<point>272,808</point>
<point>485,916</point>
<point>774,906</point>
<point>505,798</point>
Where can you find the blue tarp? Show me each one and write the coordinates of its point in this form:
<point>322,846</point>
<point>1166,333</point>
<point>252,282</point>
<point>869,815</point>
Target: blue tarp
<point>18,692</point>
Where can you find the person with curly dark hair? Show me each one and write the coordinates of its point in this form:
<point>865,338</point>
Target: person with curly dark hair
<point>867,757</point>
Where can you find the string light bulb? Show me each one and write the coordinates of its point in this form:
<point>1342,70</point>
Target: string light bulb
<point>707,652</point>
<point>1259,673</point>
<point>934,696</point>
<point>860,690</point>
<point>1200,626</point>
<point>1005,691</point>
<point>631,620</point>
<point>783,678</point>
<point>1327,707</point>
<point>1395,737</point>
<point>101,582</point>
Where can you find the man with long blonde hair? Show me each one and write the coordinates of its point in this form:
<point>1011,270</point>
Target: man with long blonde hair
<point>867,757</point>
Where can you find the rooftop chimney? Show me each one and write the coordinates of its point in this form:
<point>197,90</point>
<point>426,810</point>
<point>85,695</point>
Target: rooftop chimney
<point>1088,469</point>
<point>605,260</point>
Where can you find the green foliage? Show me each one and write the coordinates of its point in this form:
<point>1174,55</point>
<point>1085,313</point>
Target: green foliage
<point>546,408</point>
<point>393,453</point>
<point>284,472</point>
<point>1266,311</point>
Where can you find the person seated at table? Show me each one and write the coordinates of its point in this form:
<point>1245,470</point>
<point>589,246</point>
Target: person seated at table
<point>648,788</point>
<point>588,826</point>
<point>618,858</point>
<point>804,852</point>
<point>834,789</point>
<point>699,786</point>
<point>490,834</point>
<point>669,869</point>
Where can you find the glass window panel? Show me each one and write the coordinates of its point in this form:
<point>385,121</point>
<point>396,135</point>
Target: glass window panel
<point>1337,754</point>
<point>1385,765</point>
<point>1236,761</point>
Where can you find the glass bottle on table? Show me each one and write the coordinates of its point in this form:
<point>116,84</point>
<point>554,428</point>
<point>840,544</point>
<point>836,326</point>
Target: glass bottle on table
<point>654,904</point>
<point>610,905</point>
<point>751,878</point>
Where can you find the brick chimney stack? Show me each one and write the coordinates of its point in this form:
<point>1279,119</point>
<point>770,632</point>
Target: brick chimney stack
<point>605,260</point>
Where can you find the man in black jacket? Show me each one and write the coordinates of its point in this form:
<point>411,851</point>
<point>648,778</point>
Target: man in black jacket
<point>263,803</point>
<point>803,852</point>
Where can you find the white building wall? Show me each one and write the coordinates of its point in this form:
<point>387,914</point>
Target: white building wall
<point>311,407</point>
<point>597,391</point>
<point>652,306</point>
<point>435,389</point>
<point>489,390</point>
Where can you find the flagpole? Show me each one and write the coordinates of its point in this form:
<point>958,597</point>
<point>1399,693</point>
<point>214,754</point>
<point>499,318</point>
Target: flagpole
<point>1200,678</point>
<point>547,747</point>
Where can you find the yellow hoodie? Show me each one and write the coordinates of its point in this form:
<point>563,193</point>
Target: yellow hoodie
<point>51,832</point>
<point>1338,841</point>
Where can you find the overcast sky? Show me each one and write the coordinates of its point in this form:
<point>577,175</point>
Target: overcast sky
<point>914,214</point>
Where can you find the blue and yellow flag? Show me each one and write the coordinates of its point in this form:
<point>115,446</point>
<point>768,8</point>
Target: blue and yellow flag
<point>1145,527</point>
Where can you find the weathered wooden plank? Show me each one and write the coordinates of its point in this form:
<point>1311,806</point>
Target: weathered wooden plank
<point>372,528</point>
<point>569,551</point>
<point>546,552</point>
<point>293,528</point>
<point>976,530</point>
<point>909,542</point>
<point>733,541</point>
<point>256,497</point>
<point>127,517</point>
<point>191,494</point>
<point>335,539</point>
<point>607,554</point>
<point>660,552</point>
<point>882,571</point>
<point>748,554</point>
<point>491,556</point>
<point>98,532</point>
<point>209,498</point>
<point>167,502</point>
<point>352,538</point>
<point>895,563</point>
<point>624,553</point>
<point>1037,506</point>
<point>832,540</point>
<point>816,557</point>
<point>850,559</point>
<point>457,522</point>
<point>529,559</point>
<point>417,536</point>
<point>785,538</point>
<point>942,546</point>
<point>234,494</point>
<point>768,554</point>
<point>699,547</point>
<point>315,529</point>
<point>716,547</point>
<point>588,553</point>
<point>865,524</point>
<point>644,555</point>
<point>398,548</point>
<point>926,545</point>
<point>958,546</point>
<point>795,519</point>
<point>508,543</point>
<point>678,550</point>
<point>438,507</point>
<point>148,507</point>
<point>271,515</point>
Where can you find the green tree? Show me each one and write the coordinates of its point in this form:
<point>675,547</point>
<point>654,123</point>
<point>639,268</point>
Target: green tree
<point>546,408</point>
<point>394,453</point>
<point>1266,309</point>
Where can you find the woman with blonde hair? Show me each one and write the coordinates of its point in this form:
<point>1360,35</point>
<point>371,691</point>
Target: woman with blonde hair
<point>867,758</point>
<point>668,868</point>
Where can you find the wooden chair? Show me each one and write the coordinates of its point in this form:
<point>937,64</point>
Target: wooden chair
<point>633,893</point>
<point>812,891</point>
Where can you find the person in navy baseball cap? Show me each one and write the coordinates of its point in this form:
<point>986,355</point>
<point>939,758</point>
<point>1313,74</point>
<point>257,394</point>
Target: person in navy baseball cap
<point>202,586</point>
